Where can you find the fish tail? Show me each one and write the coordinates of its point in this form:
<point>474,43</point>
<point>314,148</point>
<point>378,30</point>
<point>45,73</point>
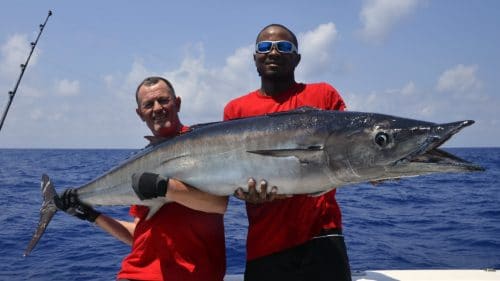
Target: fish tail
<point>47,211</point>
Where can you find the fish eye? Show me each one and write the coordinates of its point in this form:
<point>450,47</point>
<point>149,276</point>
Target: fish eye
<point>382,139</point>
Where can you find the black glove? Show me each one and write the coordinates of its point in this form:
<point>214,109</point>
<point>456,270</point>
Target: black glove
<point>69,203</point>
<point>149,185</point>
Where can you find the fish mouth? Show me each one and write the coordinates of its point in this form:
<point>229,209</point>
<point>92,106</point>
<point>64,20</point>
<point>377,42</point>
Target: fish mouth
<point>428,153</point>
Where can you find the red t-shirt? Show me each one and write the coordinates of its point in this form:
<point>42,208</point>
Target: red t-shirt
<point>285,223</point>
<point>177,243</point>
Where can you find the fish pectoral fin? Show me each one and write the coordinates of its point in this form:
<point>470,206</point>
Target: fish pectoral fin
<point>305,155</point>
<point>154,207</point>
<point>300,110</point>
<point>172,159</point>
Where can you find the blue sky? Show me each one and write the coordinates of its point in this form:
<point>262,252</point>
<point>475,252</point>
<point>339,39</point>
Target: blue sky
<point>432,60</point>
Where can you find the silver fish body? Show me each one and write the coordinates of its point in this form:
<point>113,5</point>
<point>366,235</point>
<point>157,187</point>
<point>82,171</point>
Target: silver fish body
<point>305,151</point>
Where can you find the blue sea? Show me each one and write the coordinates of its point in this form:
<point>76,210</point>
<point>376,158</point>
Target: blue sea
<point>444,221</point>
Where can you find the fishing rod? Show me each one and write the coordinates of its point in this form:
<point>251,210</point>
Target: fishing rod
<point>23,68</point>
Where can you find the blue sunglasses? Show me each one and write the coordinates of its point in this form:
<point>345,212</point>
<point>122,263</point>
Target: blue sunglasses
<point>285,47</point>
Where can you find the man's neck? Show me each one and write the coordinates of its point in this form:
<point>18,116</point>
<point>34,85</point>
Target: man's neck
<point>272,87</point>
<point>159,137</point>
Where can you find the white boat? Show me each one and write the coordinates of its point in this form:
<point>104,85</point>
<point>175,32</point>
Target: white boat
<point>415,275</point>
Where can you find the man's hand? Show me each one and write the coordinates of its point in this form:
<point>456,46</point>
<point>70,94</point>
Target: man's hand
<point>149,185</point>
<point>254,197</point>
<point>69,203</point>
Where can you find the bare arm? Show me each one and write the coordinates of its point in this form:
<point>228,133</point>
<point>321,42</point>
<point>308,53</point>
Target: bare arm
<point>194,198</point>
<point>70,204</point>
<point>121,230</point>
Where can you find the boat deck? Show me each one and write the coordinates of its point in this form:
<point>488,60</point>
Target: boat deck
<point>415,275</point>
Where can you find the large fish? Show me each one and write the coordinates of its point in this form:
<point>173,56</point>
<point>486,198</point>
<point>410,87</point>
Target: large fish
<point>305,151</point>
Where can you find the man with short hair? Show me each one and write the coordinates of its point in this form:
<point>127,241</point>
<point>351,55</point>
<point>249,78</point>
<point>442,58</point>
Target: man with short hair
<point>184,240</point>
<point>299,237</point>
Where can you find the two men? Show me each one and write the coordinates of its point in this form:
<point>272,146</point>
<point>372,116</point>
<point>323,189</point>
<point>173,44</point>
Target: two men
<point>295,238</point>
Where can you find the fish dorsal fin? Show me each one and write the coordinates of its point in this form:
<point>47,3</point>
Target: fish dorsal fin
<point>302,109</point>
<point>201,125</point>
<point>154,140</point>
<point>305,155</point>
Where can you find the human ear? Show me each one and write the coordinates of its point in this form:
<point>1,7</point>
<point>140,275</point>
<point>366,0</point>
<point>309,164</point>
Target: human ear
<point>178,103</point>
<point>138,111</point>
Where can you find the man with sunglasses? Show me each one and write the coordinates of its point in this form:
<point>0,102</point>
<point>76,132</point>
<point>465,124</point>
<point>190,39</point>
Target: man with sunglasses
<point>298,237</point>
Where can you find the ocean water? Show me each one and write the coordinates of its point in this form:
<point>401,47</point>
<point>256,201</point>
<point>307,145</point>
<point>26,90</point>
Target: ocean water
<point>445,221</point>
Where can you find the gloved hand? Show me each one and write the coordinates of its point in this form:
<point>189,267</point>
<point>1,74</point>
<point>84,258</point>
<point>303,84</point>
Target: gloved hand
<point>149,185</point>
<point>69,203</point>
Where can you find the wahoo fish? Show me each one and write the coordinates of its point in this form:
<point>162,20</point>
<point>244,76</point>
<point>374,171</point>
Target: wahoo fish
<point>304,151</point>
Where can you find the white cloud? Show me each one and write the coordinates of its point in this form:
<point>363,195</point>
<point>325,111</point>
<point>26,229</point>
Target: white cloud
<point>14,53</point>
<point>415,101</point>
<point>121,87</point>
<point>239,68</point>
<point>108,80</point>
<point>36,114</point>
<point>316,48</point>
<point>136,75</point>
<point>205,90</point>
<point>379,16</point>
<point>67,88</point>
<point>406,101</point>
<point>459,79</point>
<point>409,89</point>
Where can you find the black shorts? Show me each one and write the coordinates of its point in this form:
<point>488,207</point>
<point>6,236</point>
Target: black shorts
<point>321,258</point>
